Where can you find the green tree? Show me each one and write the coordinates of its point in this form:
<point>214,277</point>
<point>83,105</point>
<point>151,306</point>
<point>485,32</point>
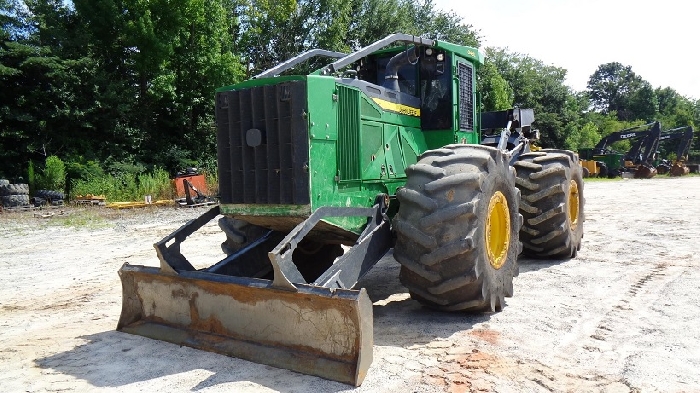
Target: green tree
<point>113,81</point>
<point>183,90</point>
<point>540,87</point>
<point>584,137</point>
<point>12,20</point>
<point>614,87</point>
<point>165,58</point>
<point>609,86</point>
<point>375,19</point>
<point>642,103</point>
<point>434,23</point>
<point>269,32</point>
<point>35,100</point>
<point>53,176</point>
<point>496,93</point>
<point>675,110</point>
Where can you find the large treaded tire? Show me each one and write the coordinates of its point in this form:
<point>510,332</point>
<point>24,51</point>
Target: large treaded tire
<point>50,195</point>
<point>14,189</point>
<point>441,225</point>
<point>20,189</point>
<point>38,201</point>
<point>553,225</point>
<point>14,200</point>
<point>602,170</point>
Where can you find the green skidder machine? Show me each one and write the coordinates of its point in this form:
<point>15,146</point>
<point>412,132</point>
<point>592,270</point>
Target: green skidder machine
<point>321,175</point>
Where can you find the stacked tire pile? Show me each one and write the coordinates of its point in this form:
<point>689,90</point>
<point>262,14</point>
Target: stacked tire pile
<point>47,197</point>
<point>13,195</point>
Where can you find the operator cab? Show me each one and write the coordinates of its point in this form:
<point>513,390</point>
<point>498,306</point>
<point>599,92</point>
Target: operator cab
<point>425,73</point>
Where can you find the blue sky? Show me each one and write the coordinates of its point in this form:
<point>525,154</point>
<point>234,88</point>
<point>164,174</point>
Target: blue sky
<point>659,39</point>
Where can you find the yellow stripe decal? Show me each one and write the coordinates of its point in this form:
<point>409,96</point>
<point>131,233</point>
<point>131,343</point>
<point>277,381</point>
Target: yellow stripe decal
<point>398,108</point>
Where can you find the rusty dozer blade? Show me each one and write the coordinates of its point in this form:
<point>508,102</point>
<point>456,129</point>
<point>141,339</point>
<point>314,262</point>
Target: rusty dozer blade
<point>318,331</point>
<point>322,328</point>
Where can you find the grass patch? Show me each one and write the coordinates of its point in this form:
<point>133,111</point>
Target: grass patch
<point>86,218</point>
<point>601,179</point>
<point>133,188</point>
<point>126,187</point>
<point>90,218</point>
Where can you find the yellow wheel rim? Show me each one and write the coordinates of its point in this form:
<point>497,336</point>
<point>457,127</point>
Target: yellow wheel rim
<point>573,205</point>
<point>497,230</point>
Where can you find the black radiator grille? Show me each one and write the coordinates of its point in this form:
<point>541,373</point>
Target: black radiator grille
<point>273,169</point>
<point>466,97</point>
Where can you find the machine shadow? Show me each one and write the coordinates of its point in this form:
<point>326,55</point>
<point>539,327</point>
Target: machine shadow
<point>530,265</point>
<point>114,360</point>
<point>399,320</point>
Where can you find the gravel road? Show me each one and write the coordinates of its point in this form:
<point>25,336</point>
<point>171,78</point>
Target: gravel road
<point>621,317</point>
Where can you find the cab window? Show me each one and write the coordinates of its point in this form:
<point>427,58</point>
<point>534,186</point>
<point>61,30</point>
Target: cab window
<point>435,90</point>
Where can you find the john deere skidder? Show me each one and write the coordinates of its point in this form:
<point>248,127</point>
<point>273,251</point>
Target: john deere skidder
<point>322,174</point>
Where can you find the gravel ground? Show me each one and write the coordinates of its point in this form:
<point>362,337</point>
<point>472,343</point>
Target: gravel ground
<point>621,317</point>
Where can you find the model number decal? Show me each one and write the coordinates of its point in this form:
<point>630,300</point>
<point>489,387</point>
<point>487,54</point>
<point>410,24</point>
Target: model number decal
<point>398,108</point>
<point>407,110</point>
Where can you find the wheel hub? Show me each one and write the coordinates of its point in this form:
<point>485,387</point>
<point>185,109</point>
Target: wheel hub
<point>573,205</point>
<point>497,230</point>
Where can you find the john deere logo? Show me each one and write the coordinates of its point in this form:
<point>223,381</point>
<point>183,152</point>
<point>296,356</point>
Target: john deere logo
<point>471,53</point>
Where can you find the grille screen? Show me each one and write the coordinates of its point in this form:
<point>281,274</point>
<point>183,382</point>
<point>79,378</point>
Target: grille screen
<point>348,133</point>
<point>466,97</point>
<point>263,145</point>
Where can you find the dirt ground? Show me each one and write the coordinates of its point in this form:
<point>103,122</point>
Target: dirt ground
<point>621,317</point>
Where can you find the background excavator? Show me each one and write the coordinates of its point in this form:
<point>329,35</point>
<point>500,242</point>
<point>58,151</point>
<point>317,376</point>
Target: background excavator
<point>677,166</point>
<point>603,161</point>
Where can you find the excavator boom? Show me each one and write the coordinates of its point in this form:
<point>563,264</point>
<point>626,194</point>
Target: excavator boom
<point>685,134</point>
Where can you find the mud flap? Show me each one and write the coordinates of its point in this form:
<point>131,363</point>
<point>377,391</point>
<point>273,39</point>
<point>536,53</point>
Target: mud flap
<point>313,330</point>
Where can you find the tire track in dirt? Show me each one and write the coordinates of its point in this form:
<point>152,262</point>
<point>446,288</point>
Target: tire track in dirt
<point>476,361</point>
<point>614,329</point>
<point>617,315</point>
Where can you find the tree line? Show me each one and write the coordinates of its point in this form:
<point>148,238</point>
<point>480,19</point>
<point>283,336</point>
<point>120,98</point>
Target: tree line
<point>126,86</point>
